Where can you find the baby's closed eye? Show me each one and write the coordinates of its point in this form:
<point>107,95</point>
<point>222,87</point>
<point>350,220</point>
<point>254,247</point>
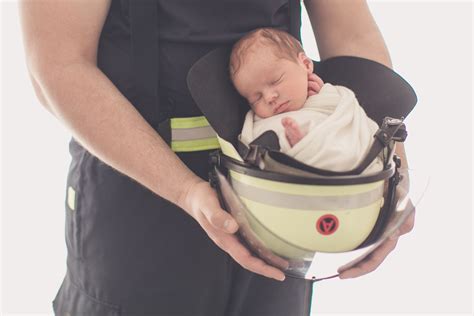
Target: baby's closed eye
<point>255,101</point>
<point>277,80</point>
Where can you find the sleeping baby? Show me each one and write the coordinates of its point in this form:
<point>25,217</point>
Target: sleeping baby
<point>317,123</point>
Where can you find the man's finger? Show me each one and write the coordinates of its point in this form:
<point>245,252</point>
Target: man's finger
<point>371,262</point>
<point>243,256</point>
<point>230,244</point>
<point>408,225</point>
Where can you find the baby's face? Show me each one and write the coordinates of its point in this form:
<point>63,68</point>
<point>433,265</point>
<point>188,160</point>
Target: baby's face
<point>273,85</point>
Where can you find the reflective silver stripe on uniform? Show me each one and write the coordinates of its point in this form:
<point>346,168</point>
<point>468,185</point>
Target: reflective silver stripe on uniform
<point>293,201</point>
<point>193,133</point>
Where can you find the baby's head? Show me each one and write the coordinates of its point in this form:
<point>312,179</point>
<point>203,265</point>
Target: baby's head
<point>270,69</point>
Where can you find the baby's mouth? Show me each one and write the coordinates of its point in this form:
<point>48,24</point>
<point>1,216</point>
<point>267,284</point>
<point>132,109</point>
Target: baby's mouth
<point>280,108</point>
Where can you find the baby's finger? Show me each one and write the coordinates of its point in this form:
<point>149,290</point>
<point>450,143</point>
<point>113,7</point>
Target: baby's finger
<point>287,121</point>
<point>312,77</point>
<point>314,86</point>
<point>319,80</point>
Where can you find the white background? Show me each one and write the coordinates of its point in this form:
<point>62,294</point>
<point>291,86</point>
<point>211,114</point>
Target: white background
<point>431,269</point>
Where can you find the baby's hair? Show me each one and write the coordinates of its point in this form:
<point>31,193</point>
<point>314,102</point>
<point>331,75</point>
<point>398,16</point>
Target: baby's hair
<point>282,44</point>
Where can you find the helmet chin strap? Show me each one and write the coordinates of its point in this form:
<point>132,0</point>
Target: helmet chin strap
<point>325,278</point>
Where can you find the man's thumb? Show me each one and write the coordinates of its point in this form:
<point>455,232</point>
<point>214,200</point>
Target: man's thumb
<point>230,225</point>
<point>220,219</point>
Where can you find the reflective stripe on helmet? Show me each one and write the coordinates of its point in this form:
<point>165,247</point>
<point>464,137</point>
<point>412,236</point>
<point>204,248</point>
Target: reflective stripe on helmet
<point>342,201</point>
<point>192,134</point>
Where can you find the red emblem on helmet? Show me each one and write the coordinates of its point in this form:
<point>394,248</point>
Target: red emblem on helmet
<point>327,224</point>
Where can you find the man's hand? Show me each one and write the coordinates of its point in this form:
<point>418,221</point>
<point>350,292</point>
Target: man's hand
<point>314,84</point>
<point>201,202</point>
<point>374,259</point>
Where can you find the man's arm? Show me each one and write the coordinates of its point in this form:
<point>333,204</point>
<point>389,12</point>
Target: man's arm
<point>344,27</point>
<point>61,41</point>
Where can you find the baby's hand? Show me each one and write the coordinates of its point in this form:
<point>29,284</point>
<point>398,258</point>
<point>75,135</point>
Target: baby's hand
<point>293,132</point>
<point>314,84</point>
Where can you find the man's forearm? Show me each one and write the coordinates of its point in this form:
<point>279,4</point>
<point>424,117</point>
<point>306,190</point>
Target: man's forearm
<point>344,27</point>
<point>107,125</point>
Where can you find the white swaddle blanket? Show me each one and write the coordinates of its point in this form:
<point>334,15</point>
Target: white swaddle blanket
<point>339,131</point>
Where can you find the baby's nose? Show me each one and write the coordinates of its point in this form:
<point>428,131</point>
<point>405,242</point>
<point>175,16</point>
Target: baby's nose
<point>272,97</point>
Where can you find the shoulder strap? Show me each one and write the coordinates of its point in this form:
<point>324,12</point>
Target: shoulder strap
<point>295,18</point>
<point>144,41</point>
<point>145,47</point>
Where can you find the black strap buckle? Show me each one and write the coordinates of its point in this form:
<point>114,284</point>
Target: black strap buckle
<point>391,129</point>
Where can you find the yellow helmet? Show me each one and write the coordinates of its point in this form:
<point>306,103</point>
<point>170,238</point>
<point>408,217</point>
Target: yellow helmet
<point>289,211</point>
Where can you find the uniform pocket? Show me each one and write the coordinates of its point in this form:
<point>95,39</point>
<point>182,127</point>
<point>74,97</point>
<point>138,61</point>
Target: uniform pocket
<point>71,300</point>
<point>73,231</point>
<point>73,201</point>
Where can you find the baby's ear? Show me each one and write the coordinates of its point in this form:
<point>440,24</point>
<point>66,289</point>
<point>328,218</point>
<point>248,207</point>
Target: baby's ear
<point>307,62</point>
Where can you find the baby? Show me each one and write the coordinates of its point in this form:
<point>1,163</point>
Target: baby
<point>319,124</point>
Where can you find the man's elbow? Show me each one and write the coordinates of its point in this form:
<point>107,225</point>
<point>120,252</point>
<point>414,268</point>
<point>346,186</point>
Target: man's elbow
<point>40,95</point>
<point>376,48</point>
<point>45,74</point>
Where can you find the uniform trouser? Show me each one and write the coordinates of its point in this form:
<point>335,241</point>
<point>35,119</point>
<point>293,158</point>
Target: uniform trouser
<point>132,253</point>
